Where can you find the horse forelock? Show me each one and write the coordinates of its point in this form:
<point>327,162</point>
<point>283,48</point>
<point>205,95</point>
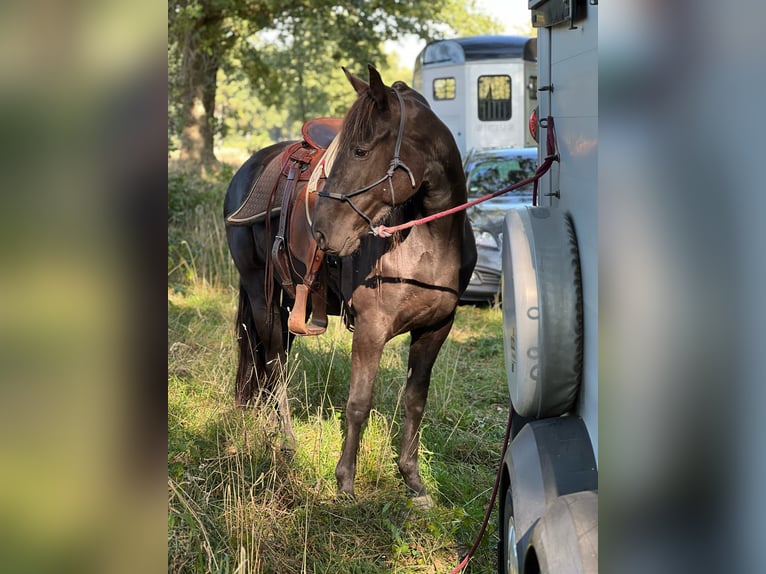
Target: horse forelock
<point>357,125</point>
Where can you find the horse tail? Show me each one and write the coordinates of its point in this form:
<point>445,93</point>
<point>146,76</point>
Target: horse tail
<point>250,365</point>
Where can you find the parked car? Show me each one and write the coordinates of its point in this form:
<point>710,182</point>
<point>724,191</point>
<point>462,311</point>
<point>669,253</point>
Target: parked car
<point>487,171</point>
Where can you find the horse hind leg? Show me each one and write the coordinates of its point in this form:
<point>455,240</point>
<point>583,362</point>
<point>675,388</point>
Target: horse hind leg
<point>251,364</point>
<point>263,340</point>
<point>272,326</point>
<point>424,348</point>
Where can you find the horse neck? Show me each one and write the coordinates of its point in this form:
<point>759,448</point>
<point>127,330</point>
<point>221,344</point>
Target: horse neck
<point>441,233</point>
<point>445,187</point>
<point>443,184</point>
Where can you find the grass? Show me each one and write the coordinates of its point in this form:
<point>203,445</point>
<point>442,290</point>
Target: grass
<point>237,503</point>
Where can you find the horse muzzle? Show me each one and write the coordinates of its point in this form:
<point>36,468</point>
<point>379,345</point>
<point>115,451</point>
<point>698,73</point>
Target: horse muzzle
<point>348,245</point>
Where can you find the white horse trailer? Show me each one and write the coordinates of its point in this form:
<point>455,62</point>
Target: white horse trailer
<point>548,511</point>
<point>483,88</point>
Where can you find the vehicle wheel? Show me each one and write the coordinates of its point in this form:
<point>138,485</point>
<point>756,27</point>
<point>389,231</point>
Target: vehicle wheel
<point>565,539</point>
<point>508,561</point>
<point>547,461</point>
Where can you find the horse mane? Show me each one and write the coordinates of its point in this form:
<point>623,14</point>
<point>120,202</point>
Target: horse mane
<point>402,87</point>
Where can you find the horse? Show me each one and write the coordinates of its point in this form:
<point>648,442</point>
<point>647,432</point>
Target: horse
<point>384,286</point>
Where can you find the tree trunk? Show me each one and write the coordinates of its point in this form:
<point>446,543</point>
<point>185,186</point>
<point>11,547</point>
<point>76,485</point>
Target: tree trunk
<point>199,67</point>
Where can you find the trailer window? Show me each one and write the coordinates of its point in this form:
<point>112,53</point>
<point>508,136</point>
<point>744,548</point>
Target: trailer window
<point>532,87</point>
<point>494,98</point>
<point>444,89</point>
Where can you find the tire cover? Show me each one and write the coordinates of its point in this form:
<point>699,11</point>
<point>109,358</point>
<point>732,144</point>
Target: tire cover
<point>542,311</point>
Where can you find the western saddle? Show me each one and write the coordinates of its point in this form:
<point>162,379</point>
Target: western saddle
<point>286,184</point>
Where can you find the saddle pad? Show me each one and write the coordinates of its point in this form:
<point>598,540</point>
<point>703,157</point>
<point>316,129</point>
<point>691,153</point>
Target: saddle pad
<point>272,180</point>
<point>256,203</point>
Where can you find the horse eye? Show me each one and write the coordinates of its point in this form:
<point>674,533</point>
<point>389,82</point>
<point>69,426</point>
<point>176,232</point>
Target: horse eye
<point>361,152</point>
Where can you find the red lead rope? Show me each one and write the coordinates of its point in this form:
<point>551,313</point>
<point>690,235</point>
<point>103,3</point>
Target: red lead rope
<point>506,439</point>
<point>551,156</point>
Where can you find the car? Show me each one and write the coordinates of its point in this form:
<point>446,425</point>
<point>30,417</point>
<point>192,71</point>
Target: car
<point>487,171</point>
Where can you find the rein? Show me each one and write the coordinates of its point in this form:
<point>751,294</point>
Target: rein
<point>552,155</point>
<point>396,162</point>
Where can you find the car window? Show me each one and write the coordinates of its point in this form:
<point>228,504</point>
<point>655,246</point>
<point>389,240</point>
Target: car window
<point>494,174</point>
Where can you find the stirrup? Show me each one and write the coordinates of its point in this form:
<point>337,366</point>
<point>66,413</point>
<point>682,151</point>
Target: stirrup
<point>296,323</point>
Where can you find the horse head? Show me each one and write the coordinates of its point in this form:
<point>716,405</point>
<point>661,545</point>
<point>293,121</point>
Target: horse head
<point>380,162</point>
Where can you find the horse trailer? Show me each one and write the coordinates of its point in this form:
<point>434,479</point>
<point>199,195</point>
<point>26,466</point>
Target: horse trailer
<point>548,508</point>
<point>482,87</point>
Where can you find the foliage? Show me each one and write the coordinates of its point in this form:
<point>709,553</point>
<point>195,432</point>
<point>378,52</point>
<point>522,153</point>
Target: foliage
<point>196,238</point>
<point>189,190</point>
<point>245,122</point>
<point>286,56</point>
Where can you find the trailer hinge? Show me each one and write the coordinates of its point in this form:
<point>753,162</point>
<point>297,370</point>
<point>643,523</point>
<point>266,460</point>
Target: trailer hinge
<point>556,194</point>
<point>548,88</point>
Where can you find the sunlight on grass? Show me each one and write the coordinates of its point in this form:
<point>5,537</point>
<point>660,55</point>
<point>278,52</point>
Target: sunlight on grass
<point>319,441</point>
<point>238,503</point>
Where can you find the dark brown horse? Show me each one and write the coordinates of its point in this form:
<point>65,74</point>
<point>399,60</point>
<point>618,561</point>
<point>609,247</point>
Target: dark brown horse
<point>396,161</point>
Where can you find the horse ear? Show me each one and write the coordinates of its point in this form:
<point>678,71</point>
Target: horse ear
<point>378,89</point>
<point>358,83</point>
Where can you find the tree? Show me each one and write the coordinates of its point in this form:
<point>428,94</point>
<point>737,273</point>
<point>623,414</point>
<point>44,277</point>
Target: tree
<point>287,50</point>
<point>198,40</point>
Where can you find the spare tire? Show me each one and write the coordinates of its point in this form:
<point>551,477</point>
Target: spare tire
<point>542,311</point>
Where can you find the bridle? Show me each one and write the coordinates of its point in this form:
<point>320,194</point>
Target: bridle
<point>395,163</point>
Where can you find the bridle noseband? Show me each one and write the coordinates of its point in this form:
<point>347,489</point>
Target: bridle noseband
<point>395,163</point>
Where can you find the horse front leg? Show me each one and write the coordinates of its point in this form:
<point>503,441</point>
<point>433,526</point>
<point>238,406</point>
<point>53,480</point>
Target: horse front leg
<point>365,357</point>
<point>424,348</point>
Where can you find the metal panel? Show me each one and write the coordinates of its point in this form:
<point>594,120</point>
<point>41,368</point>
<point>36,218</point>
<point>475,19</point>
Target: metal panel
<point>574,106</point>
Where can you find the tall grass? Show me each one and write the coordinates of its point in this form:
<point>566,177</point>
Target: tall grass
<point>238,503</point>
<point>197,250</point>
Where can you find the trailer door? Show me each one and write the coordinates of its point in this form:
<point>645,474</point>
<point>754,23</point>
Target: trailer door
<point>444,88</point>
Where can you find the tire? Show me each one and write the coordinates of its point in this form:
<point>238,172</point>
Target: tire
<point>542,311</point>
<point>506,548</point>
<point>565,539</point>
<point>546,462</point>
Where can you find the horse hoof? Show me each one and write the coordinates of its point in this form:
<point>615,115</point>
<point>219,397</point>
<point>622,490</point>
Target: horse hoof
<point>424,502</point>
<point>345,496</point>
<point>287,449</point>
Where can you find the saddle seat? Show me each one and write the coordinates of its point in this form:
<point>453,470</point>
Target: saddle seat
<point>320,132</point>
<point>280,187</point>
